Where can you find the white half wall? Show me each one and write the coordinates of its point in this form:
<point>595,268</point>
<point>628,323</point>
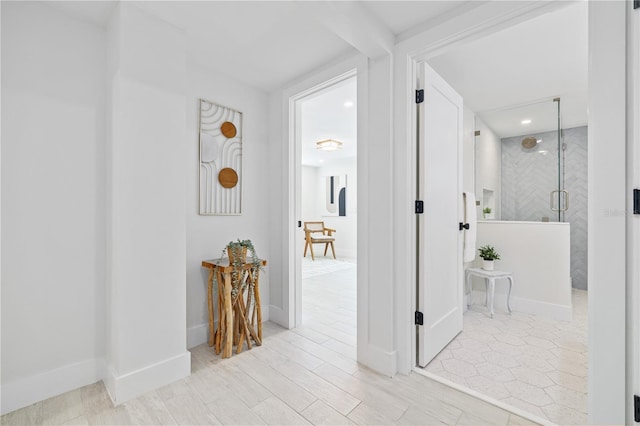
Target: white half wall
<point>540,266</point>
<point>53,220</point>
<point>207,236</point>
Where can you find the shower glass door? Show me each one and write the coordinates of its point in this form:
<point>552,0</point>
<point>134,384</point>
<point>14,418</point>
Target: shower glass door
<point>530,167</point>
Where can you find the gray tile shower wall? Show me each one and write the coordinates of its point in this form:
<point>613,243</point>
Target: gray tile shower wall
<point>528,177</point>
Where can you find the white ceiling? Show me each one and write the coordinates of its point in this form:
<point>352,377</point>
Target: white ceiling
<point>538,60</point>
<point>266,44</point>
<point>325,116</point>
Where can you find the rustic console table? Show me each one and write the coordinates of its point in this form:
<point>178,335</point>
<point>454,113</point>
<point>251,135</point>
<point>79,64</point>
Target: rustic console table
<point>239,312</point>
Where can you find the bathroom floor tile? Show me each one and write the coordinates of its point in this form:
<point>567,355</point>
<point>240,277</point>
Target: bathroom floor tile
<point>535,364</point>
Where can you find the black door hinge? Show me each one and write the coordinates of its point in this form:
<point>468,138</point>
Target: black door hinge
<point>636,408</point>
<point>419,318</point>
<point>636,5</point>
<point>419,207</point>
<point>419,96</point>
<point>636,201</point>
<point>462,226</point>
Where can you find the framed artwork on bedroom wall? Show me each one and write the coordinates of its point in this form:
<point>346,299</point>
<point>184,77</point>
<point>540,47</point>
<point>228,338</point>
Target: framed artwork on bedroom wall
<point>335,200</point>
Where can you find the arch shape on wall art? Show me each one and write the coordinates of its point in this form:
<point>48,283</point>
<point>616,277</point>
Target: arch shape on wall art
<point>220,133</point>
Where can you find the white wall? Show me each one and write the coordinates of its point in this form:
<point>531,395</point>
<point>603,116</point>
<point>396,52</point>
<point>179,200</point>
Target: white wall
<point>310,186</point>
<point>488,167</point>
<point>313,191</point>
<point>146,232</point>
<point>207,236</point>
<point>53,220</point>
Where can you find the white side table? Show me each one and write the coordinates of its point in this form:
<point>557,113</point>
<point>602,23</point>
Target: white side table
<point>490,278</point>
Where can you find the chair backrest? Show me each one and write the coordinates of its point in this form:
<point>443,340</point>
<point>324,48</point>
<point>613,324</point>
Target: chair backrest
<point>314,226</point>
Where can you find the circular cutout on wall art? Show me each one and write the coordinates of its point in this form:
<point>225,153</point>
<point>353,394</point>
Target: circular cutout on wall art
<point>228,177</point>
<point>228,129</point>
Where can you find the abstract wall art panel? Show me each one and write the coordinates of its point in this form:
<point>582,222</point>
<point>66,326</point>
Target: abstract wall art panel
<point>335,195</point>
<point>220,160</point>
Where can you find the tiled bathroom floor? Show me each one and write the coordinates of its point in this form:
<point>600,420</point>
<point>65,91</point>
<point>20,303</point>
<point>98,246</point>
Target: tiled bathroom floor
<point>531,363</point>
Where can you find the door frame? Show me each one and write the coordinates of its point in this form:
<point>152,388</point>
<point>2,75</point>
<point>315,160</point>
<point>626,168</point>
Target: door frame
<point>292,285</point>
<point>606,384</point>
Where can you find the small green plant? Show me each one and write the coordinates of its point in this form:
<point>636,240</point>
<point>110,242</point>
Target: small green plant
<point>486,210</point>
<point>488,253</point>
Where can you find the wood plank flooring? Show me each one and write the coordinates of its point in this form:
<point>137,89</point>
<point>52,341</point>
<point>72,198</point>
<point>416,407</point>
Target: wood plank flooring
<point>303,376</point>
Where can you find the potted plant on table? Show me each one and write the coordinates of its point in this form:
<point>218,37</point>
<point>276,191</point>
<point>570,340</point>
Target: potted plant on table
<point>488,254</point>
<point>237,252</point>
<point>486,212</point>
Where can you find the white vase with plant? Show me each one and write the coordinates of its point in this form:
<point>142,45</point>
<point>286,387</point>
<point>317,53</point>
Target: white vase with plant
<point>486,212</point>
<point>489,255</point>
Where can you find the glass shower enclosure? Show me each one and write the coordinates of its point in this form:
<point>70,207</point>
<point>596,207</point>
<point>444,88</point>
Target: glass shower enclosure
<point>532,156</point>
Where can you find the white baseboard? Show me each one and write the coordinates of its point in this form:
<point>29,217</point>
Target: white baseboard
<point>374,357</point>
<point>278,316</point>
<point>528,306</point>
<point>122,388</point>
<point>23,392</point>
<point>197,335</point>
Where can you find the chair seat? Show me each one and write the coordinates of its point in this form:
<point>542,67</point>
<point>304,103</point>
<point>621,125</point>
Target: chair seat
<point>322,238</point>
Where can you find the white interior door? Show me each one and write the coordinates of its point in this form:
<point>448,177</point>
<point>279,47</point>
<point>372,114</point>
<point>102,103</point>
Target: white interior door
<point>440,286</point>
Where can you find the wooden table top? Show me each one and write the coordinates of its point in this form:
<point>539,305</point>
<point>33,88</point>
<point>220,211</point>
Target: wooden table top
<point>223,263</point>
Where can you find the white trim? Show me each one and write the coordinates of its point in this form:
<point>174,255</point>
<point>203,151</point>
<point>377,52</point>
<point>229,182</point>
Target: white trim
<point>295,153</point>
<point>122,388</point>
<point>292,274</point>
<point>507,407</point>
<point>633,221</point>
<point>197,335</point>
<point>607,195</point>
<point>547,310</point>
<point>20,393</point>
<point>384,362</point>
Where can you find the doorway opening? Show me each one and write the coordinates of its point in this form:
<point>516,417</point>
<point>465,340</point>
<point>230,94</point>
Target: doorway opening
<point>326,244</point>
<point>535,358</point>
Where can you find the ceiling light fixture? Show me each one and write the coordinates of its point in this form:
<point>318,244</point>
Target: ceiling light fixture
<point>348,104</point>
<point>329,145</point>
<point>527,121</point>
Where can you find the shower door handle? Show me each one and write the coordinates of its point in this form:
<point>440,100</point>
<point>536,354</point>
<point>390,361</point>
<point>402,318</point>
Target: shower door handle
<point>565,205</point>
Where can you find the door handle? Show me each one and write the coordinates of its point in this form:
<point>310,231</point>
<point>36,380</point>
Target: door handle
<point>565,204</point>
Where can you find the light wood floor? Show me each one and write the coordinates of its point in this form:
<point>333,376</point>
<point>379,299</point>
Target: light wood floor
<point>303,376</point>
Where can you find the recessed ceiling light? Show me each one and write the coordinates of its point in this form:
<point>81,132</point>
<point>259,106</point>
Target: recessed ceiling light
<point>527,121</point>
<point>348,104</point>
<point>543,152</point>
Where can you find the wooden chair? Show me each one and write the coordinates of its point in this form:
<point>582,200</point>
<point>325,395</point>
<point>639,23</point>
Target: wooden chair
<point>316,233</point>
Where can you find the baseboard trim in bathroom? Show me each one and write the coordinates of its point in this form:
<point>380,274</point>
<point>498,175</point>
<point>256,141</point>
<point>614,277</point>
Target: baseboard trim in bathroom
<point>515,410</point>
<point>527,306</point>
